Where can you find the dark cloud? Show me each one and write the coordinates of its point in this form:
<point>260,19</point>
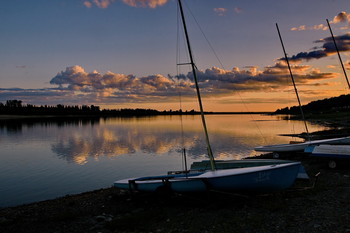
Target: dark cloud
<point>327,48</point>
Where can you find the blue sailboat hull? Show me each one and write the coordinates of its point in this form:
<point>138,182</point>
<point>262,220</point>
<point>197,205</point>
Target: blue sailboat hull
<point>176,183</point>
<point>260,179</point>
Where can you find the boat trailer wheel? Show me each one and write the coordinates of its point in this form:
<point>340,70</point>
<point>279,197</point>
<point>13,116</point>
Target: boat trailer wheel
<point>332,164</point>
<point>275,155</point>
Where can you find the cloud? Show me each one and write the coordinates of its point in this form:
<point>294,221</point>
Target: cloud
<point>237,10</point>
<point>220,11</point>
<point>326,49</point>
<point>87,4</point>
<point>133,3</point>
<point>342,17</point>
<point>75,78</point>
<point>300,28</point>
<point>315,27</point>
<point>145,3</point>
<point>98,3</point>
<point>347,65</point>
<point>74,85</point>
<point>271,78</point>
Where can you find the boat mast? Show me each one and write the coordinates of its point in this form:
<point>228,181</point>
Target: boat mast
<point>210,153</point>
<point>336,47</point>
<point>295,87</point>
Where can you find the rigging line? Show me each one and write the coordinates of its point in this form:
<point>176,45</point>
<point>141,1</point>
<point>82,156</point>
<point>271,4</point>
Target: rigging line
<point>205,37</point>
<point>295,88</point>
<point>336,47</point>
<point>223,67</point>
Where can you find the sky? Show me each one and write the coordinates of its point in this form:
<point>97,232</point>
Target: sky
<point>124,53</point>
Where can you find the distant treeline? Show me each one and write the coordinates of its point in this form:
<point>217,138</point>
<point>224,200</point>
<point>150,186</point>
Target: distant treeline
<point>334,104</point>
<point>16,107</point>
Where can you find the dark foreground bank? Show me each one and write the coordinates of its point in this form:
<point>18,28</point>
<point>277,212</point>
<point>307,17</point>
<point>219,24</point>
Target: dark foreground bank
<point>324,208</point>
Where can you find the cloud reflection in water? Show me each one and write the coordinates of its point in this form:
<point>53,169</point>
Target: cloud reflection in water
<point>151,136</point>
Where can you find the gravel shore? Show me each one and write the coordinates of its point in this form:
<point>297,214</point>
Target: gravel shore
<point>302,208</point>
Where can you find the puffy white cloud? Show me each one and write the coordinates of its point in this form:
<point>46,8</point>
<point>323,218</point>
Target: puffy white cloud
<point>341,17</point>
<point>75,78</point>
<point>212,81</point>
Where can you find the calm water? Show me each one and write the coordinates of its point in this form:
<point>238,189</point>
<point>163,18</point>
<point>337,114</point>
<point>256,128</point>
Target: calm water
<point>42,160</point>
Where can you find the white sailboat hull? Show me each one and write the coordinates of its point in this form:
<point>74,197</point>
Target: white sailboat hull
<point>301,146</point>
<point>331,151</point>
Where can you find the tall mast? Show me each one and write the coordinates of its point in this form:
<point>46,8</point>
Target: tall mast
<point>295,87</point>
<point>336,47</point>
<point>210,153</point>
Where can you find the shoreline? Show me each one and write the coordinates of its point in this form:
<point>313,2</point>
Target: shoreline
<point>301,208</point>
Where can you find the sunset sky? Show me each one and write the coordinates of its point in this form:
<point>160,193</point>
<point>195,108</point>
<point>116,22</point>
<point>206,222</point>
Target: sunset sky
<point>123,53</point>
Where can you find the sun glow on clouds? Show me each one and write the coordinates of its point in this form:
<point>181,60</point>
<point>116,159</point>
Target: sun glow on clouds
<point>219,87</point>
<point>74,85</point>
<point>342,17</point>
<point>214,82</point>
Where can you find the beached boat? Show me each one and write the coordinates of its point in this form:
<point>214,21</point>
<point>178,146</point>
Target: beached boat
<point>333,153</point>
<point>329,151</point>
<point>265,178</point>
<point>229,164</point>
<point>300,146</point>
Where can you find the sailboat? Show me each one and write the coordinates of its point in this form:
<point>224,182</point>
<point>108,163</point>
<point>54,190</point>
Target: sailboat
<point>333,152</point>
<point>300,146</point>
<point>264,178</point>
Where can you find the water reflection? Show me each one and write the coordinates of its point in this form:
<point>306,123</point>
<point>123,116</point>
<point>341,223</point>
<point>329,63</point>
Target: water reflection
<point>82,145</point>
<point>15,125</point>
<point>78,140</point>
<point>152,136</point>
<point>45,158</point>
